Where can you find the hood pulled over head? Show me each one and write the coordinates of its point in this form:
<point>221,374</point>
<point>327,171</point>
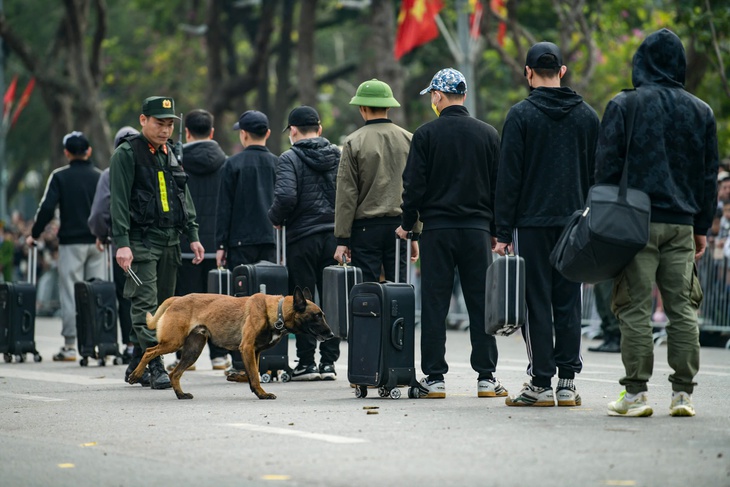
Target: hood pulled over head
<point>660,60</point>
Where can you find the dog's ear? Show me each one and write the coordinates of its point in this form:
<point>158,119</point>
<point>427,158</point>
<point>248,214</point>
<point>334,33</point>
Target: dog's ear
<point>300,302</point>
<point>307,294</point>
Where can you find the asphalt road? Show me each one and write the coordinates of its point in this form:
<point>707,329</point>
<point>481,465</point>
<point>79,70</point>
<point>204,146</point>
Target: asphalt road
<point>66,425</point>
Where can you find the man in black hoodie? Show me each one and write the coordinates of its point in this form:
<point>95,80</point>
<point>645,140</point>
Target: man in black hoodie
<point>304,201</point>
<point>449,183</point>
<point>673,157</point>
<point>545,170</point>
<point>202,159</point>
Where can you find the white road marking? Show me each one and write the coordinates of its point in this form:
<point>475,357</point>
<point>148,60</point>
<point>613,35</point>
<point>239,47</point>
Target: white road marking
<point>293,432</point>
<point>30,398</point>
<point>18,373</point>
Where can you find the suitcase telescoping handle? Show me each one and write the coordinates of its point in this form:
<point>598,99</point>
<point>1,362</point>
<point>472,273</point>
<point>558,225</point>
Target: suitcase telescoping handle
<point>281,246</point>
<point>109,260</point>
<point>408,257</point>
<point>347,289</point>
<point>220,282</point>
<point>33,264</point>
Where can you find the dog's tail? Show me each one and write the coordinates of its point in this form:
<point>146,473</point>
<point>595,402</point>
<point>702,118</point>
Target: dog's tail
<point>152,320</point>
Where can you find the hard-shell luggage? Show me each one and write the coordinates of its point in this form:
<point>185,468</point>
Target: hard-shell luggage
<point>220,281</point>
<point>268,278</point>
<point>96,317</point>
<point>17,315</point>
<point>381,345</point>
<point>337,283</point>
<point>506,310</point>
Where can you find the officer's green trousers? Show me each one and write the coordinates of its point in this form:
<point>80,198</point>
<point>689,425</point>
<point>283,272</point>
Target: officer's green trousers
<point>668,261</point>
<point>156,267</point>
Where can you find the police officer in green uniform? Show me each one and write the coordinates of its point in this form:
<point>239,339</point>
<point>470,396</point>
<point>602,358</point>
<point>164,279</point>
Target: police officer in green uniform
<point>150,207</point>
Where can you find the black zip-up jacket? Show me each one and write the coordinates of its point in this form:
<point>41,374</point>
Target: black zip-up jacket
<point>203,161</point>
<point>304,196</point>
<point>72,189</point>
<point>451,173</point>
<point>246,193</point>
<point>673,155</point>
<point>546,161</point>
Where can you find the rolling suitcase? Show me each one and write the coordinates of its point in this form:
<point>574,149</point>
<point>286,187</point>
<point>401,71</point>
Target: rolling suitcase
<point>268,278</point>
<point>337,283</point>
<point>17,315</point>
<point>506,310</point>
<point>381,346</point>
<point>96,317</point>
<point>219,281</point>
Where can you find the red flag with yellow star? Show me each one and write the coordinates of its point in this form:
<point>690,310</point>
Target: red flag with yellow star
<point>416,24</point>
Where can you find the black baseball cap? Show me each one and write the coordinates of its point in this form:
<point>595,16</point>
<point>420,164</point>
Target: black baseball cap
<point>76,143</point>
<point>302,116</point>
<point>252,121</point>
<point>536,56</point>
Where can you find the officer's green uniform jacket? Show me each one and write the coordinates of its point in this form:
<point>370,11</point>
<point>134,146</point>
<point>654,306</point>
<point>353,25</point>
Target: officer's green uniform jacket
<point>121,178</point>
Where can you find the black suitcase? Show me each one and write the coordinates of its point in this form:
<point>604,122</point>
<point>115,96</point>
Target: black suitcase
<point>96,317</point>
<point>337,283</point>
<point>381,346</point>
<point>219,281</point>
<point>505,305</point>
<point>17,315</point>
<point>268,278</point>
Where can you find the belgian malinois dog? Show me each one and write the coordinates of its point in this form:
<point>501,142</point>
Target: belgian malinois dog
<point>251,324</point>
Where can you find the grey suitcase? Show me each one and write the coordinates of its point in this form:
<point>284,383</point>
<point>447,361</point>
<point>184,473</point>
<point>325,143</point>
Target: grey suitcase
<point>506,310</point>
<point>337,283</point>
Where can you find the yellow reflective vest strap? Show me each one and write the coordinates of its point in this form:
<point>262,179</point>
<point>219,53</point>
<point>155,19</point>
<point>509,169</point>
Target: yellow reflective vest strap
<point>163,191</point>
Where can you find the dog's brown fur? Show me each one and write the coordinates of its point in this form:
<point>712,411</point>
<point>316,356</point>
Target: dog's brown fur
<point>246,323</point>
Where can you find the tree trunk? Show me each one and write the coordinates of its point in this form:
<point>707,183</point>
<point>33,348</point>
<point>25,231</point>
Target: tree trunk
<point>305,54</point>
<point>279,114</point>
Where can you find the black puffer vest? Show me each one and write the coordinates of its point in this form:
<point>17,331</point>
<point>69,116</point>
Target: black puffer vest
<point>158,193</point>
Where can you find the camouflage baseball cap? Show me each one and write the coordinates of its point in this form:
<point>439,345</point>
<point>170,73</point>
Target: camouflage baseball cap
<point>447,80</point>
<point>159,107</point>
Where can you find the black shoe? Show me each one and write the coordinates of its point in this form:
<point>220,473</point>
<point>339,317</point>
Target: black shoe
<point>134,361</point>
<point>127,357</point>
<point>158,377</point>
<point>611,345</point>
<point>306,372</point>
<point>327,372</point>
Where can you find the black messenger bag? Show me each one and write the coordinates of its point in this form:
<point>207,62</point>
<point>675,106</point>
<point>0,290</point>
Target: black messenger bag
<point>600,241</point>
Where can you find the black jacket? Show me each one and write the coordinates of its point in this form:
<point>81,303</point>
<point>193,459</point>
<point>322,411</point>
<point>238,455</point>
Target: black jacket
<point>673,155</point>
<point>246,193</point>
<point>451,173</point>
<point>304,196</point>
<point>546,161</point>
<point>72,189</point>
<point>203,162</point>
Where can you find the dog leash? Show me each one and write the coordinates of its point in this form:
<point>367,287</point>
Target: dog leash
<point>279,323</point>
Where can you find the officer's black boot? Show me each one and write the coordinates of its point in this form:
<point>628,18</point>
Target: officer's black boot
<point>158,377</point>
<point>133,363</point>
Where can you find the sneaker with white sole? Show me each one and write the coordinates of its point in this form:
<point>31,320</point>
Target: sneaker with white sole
<point>431,389</point>
<point>568,396</point>
<point>327,372</point>
<point>681,404</point>
<point>490,388</point>
<point>635,406</point>
<point>306,372</point>
<point>171,367</point>
<point>534,396</point>
<point>220,363</point>
<point>66,354</point>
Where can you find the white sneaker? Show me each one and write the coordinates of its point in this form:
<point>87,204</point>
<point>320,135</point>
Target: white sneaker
<point>681,404</point>
<point>490,388</point>
<point>435,389</point>
<point>220,363</point>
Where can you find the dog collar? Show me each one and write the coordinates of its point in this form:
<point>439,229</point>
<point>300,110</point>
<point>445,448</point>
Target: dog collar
<point>279,323</point>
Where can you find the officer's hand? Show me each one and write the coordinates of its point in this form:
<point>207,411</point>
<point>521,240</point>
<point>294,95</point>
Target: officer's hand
<point>220,258</point>
<point>501,248</point>
<point>401,233</point>
<point>414,251</point>
<point>199,252</point>
<point>343,250</point>
<point>30,241</point>
<point>99,245</point>
<point>124,258</point>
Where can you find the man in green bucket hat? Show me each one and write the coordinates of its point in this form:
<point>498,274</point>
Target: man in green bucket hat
<point>370,187</point>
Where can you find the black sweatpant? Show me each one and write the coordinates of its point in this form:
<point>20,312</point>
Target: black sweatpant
<point>441,252</point>
<point>553,307</point>
<point>373,251</point>
<point>306,259</point>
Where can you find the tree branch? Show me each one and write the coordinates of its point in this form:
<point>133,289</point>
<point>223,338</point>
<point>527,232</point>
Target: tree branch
<point>716,45</point>
<point>99,35</point>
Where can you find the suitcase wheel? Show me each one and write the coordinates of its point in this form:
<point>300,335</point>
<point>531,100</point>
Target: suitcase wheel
<point>7,357</point>
<point>20,358</point>
<point>266,378</point>
<point>361,392</point>
<point>383,391</point>
<point>395,393</point>
<point>84,361</point>
<point>118,360</point>
<point>37,357</point>
<point>101,362</point>
<point>285,376</point>
<point>414,392</point>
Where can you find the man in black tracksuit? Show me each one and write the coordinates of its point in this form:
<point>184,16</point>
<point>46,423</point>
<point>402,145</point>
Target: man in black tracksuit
<point>304,201</point>
<point>545,170</point>
<point>449,182</point>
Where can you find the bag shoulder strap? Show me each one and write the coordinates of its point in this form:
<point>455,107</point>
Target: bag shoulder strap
<point>631,102</point>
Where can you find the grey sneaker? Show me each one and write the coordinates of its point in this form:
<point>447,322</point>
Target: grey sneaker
<point>306,372</point>
<point>490,388</point>
<point>66,354</point>
<point>637,407</point>
<point>567,396</point>
<point>681,404</point>
<point>434,389</point>
<point>531,395</point>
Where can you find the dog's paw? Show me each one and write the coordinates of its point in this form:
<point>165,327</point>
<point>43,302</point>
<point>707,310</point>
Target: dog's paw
<point>267,395</point>
<point>237,377</point>
<point>132,379</point>
<point>184,395</point>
